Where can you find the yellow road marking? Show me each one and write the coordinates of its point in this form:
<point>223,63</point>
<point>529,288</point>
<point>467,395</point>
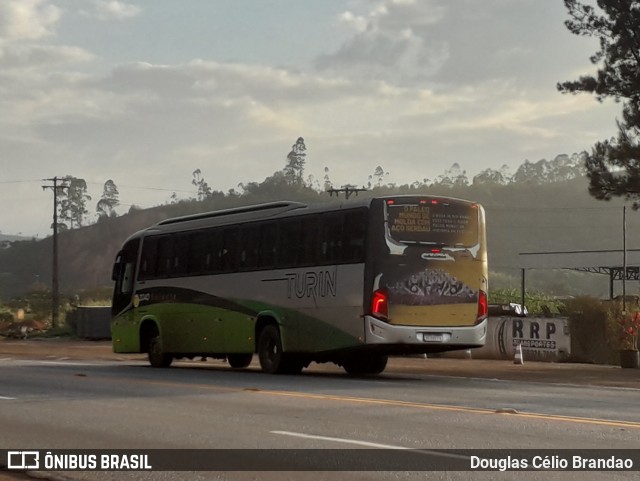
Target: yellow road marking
<point>445,407</point>
<point>385,402</point>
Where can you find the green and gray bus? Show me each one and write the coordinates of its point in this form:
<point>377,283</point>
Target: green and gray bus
<point>348,282</point>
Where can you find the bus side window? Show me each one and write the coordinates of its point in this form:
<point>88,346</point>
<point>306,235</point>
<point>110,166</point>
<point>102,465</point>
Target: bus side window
<point>213,258</point>
<point>267,246</point>
<point>308,242</point>
<point>148,265</point>
<point>355,227</point>
<point>228,253</point>
<point>289,243</point>
<point>197,253</point>
<point>331,239</point>
<point>180,255</point>
<point>165,256</point>
<point>248,243</point>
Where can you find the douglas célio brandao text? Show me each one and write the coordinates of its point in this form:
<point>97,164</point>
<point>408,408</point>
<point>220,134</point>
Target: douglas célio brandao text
<point>554,462</point>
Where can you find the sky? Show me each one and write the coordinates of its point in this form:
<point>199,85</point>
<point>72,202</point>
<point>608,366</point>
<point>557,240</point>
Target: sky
<point>146,92</point>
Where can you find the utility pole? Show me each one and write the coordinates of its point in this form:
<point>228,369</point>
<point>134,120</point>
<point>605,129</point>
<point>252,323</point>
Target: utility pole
<point>624,259</point>
<point>55,288</point>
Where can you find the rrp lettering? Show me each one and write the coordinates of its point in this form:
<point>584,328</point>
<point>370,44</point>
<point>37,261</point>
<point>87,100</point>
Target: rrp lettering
<point>533,331</point>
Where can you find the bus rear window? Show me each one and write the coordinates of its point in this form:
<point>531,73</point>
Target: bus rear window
<point>442,223</point>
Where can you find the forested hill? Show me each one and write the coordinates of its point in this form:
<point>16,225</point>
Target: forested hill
<point>523,216</point>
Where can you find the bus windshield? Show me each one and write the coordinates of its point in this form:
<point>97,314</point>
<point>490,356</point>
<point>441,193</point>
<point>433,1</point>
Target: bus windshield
<point>431,221</point>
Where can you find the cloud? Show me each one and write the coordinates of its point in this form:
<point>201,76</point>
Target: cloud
<point>416,87</point>
<point>113,10</point>
<point>28,56</point>
<point>392,41</point>
<point>27,19</point>
<point>443,43</point>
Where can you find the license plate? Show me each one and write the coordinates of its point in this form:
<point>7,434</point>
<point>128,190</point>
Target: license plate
<point>432,337</point>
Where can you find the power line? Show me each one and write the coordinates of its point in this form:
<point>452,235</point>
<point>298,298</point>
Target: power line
<point>102,183</point>
<point>145,188</point>
<point>19,181</point>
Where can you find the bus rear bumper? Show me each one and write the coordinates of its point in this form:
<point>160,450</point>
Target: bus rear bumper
<point>432,338</point>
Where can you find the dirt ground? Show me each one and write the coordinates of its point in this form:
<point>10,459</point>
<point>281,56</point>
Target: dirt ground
<point>545,372</point>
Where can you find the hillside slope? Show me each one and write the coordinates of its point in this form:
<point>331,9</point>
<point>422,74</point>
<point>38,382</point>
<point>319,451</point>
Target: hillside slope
<point>521,217</point>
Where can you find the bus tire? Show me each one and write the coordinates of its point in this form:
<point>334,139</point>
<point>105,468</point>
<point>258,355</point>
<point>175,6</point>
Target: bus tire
<point>157,357</point>
<point>270,350</point>
<point>292,365</point>
<point>365,366</point>
<point>272,359</point>
<point>239,361</point>
<point>378,364</point>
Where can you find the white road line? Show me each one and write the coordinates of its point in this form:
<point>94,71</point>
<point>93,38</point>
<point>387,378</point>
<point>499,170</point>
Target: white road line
<point>368,444</point>
<point>57,363</point>
<point>339,440</point>
<point>7,398</point>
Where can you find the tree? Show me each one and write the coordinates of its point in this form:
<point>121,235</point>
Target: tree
<point>613,166</point>
<point>489,176</point>
<point>531,173</point>
<point>328,185</point>
<point>453,177</point>
<point>294,170</point>
<point>72,201</point>
<point>204,191</point>
<point>379,175</point>
<point>109,200</point>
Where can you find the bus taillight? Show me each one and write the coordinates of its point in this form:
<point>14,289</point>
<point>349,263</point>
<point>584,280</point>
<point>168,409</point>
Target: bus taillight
<point>379,304</point>
<point>483,307</point>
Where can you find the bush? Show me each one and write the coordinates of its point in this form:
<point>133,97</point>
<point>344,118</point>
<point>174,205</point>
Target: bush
<point>537,303</point>
<point>623,326</point>
<point>594,331</point>
<point>6,316</point>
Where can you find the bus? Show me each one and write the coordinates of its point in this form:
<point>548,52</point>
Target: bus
<point>350,282</point>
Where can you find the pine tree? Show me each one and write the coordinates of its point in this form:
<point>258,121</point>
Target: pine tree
<point>109,200</point>
<point>294,170</point>
<point>613,166</point>
<point>72,201</point>
<point>204,191</point>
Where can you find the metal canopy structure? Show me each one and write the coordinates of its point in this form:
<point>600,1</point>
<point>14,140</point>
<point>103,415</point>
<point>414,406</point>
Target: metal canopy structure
<point>613,263</point>
<point>599,262</point>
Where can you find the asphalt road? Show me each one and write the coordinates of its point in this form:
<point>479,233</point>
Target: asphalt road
<point>124,404</point>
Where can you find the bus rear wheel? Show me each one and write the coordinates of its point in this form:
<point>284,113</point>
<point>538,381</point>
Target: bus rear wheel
<point>239,361</point>
<point>272,359</point>
<point>365,365</point>
<point>157,357</point>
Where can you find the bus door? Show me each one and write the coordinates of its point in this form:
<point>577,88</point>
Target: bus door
<point>123,275</point>
<point>434,273</point>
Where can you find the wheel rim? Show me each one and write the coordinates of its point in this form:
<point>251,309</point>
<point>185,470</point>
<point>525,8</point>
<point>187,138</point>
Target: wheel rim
<point>272,352</point>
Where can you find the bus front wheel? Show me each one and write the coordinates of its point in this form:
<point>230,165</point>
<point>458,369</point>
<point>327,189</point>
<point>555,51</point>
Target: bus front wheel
<point>157,357</point>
